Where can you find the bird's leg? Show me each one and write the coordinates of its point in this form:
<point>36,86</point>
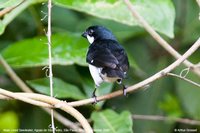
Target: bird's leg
<point>94,95</point>
<point>124,89</point>
<point>119,81</point>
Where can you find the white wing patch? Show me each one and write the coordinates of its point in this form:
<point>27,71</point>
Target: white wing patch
<point>90,39</point>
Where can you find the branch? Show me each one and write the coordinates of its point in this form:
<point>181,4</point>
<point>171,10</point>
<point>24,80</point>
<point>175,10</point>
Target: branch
<point>52,103</point>
<point>198,2</point>
<point>49,48</point>
<point>56,103</point>
<point>183,78</point>
<point>136,117</point>
<point>24,99</point>
<point>50,61</point>
<point>164,118</point>
<point>25,88</point>
<point>64,121</point>
<point>8,9</point>
<point>14,76</point>
<point>157,37</point>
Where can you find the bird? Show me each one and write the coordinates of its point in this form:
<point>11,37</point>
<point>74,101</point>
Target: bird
<point>107,59</point>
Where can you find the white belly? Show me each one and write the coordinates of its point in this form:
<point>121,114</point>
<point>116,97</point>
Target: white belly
<point>95,72</point>
<point>98,77</point>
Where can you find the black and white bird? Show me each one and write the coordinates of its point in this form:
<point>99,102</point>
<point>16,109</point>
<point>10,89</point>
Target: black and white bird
<point>107,59</point>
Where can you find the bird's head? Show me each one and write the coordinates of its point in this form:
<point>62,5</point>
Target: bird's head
<point>94,33</point>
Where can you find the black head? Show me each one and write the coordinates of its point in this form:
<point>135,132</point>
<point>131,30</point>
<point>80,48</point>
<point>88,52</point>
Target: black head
<point>97,32</point>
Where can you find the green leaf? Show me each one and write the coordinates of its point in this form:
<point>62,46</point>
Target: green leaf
<point>158,13</point>
<point>110,121</point>
<point>191,28</point>
<point>61,89</point>
<point>9,3</point>
<point>189,94</point>
<point>15,12</point>
<point>67,49</point>
<point>2,27</point>
<point>8,121</point>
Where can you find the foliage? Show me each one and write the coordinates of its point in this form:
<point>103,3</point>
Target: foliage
<point>23,45</point>
<point>110,121</point>
<point>36,50</point>
<point>61,88</point>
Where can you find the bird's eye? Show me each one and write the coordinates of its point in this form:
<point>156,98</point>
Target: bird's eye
<point>90,32</point>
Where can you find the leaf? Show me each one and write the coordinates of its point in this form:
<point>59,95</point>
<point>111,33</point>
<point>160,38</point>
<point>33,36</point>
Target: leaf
<point>158,13</point>
<point>187,25</point>
<point>67,49</point>
<point>189,94</point>
<point>61,89</point>
<point>2,27</point>
<point>15,12</point>
<point>9,3</point>
<point>110,121</point>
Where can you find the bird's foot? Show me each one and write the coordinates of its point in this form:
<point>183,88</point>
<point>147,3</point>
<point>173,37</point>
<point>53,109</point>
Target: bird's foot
<point>124,90</point>
<point>95,97</point>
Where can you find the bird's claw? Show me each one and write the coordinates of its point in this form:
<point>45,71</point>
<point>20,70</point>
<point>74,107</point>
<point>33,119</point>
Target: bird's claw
<point>124,90</point>
<point>94,96</point>
<point>95,100</point>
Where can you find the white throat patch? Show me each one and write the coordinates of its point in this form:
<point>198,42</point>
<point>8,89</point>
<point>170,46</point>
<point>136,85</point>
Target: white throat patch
<point>90,39</point>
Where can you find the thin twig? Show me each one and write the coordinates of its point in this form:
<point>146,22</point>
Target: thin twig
<point>50,61</point>
<point>25,88</point>
<point>49,48</point>
<point>5,11</point>
<point>198,2</point>
<point>156,36</point>
<point>164,118</point>
<point>65,121</point>
<point>24,99</point>
<point>8,9</point>
<point>185,79</point>
<point>51,102</point>
<point>14,76</point>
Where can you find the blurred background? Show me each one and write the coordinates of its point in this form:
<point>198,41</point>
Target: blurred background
<point>22,44</point>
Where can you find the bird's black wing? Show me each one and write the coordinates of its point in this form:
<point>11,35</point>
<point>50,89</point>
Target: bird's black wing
<point>120,54</point>
<point>100,56</point>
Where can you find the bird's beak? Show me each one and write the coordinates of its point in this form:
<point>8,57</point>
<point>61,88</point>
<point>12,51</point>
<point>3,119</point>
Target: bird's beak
<point>84,34</point>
